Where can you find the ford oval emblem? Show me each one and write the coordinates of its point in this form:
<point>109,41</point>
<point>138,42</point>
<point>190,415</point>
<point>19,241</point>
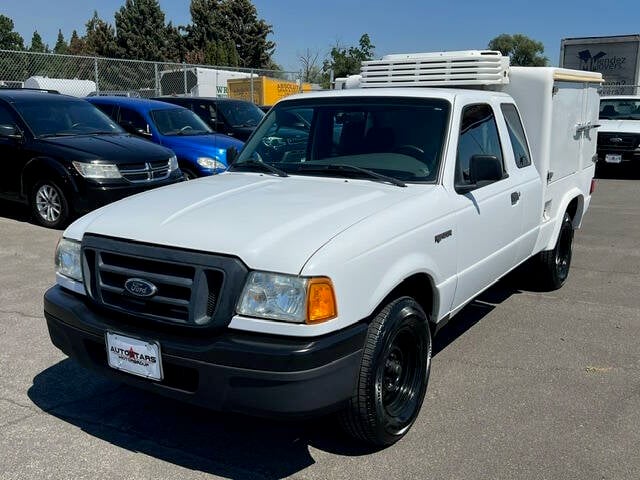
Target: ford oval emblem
<point>140,287</point>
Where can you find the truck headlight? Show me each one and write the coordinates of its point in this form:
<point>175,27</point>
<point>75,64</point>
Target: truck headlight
<point>173,163</point>
<point>288,298</point>
<point>68,259</point>
<point>97,171</point>
<point>211,163</point>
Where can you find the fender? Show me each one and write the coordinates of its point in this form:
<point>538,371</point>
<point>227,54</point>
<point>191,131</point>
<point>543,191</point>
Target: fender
<point>568,197</point>
<point>34,168</point>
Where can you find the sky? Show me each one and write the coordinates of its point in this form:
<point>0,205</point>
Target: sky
<point>394,26</point>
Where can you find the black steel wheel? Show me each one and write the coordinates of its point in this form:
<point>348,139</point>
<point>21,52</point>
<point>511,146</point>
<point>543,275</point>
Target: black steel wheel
<point>555,264</point>
<point>393,375</point>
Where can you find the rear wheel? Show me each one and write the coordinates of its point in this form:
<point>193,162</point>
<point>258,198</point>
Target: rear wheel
<point>554,264</point>
<point>49,205</point>
<point>393,375</point>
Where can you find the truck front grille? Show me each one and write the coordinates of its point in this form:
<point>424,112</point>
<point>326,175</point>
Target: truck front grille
<point>145,172</point>
<point>190,288</point>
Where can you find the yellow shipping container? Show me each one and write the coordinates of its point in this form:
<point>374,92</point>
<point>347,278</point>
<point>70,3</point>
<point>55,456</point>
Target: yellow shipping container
<point>266,91</point>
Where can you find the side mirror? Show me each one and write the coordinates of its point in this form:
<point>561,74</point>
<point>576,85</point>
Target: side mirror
<point>232,155</point>
<point>143,133</point>
<point>10,131</point>
<point>483,170</point>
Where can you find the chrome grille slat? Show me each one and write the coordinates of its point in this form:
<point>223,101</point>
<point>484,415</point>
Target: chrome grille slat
<point>145,172</point>
<point>131,272</point>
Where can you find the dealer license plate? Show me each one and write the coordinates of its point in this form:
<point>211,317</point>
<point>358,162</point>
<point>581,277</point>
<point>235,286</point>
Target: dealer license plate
<point>135,356</point>
<point>610,158</point>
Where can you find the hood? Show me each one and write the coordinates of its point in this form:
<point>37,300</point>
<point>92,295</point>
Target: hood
<point>118,149</point>
<point>204,142</point>
<point>270,223</point>
<point>619,126</point>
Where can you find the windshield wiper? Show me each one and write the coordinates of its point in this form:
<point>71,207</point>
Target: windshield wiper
<point>59,134</point>
<point>341,168</point>
<point>257,163</point>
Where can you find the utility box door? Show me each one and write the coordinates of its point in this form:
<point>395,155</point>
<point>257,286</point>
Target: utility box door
<point>568,111</point>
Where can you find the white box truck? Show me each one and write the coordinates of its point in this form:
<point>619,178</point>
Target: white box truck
<point>198,81</point>
<point>352,226</point>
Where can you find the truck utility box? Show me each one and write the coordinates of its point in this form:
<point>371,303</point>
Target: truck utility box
<point>266,91</point>
<point>356,224</point>
<point>198,81</point>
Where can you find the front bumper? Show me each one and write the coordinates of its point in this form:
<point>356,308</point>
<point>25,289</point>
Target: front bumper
<point>90,196</point>
<point>230,371</point>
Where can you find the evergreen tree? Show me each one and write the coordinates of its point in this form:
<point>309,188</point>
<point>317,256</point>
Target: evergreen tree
<point>9,40</point>
<point>100,39</point>
<point>37,45</point>
<point>175,46</point>
<point>141,30</point>
<point>77,45</point>
<point>61,44</point>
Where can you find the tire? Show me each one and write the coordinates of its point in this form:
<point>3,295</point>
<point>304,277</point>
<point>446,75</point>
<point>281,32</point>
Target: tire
<point>188,174</point>
<point>553,265</point>
<point>393,377</point>
<point>49,204</point>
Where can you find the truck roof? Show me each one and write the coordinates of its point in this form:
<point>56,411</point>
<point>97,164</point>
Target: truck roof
<point>415,92</point>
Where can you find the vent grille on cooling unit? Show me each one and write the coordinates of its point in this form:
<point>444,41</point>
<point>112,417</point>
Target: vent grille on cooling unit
<point>465,68</point>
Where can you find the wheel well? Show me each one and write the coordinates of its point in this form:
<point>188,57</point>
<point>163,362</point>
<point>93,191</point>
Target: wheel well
<point>574,209</point>
<point>39,170</point>
<point>421,288</point>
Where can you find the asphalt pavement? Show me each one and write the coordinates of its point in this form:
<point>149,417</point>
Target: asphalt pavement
<point>524,385</point>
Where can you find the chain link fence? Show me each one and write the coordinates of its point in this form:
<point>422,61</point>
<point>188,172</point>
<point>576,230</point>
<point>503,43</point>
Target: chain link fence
<point>82,76</point>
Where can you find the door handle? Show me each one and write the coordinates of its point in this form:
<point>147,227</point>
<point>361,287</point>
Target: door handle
<point>515,197</point>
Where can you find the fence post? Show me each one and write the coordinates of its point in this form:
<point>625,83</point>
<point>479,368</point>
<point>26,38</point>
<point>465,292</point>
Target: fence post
<point>157,79</point>
<point>95,74</point>
<point>184,67</point>
<point>253,100</point>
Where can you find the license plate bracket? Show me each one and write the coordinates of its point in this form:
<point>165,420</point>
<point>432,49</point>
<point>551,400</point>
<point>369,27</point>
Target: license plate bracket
<point>135,356</point>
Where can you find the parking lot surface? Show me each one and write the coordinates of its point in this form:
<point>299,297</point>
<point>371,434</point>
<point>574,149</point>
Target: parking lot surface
<point>524,384</point>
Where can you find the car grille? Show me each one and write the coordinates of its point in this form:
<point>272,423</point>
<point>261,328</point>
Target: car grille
<point>618,142</point>
<point>193,289</point>
<point>145,172</point>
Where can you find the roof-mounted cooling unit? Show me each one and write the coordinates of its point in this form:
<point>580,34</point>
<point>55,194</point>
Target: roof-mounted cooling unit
<point>464,68</point>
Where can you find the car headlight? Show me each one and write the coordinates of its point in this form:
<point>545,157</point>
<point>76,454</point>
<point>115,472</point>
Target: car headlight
<point>288,298</point>
<point>97,171</point>
<point>173,163</point>
<point>211,163</point>
<point>68,259</point>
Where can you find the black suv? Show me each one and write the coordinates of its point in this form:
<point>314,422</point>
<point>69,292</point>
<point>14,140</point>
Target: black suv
<point>236,118</point>
<point>64,157</point>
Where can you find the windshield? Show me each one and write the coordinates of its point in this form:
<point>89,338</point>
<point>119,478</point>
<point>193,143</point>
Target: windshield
<point>55,118</point>
<point>179,121</point>
<point>399,138</point>
<point>241,114</point>
<point>620,109</point>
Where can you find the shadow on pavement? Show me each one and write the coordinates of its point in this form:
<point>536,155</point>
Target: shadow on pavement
<point>227,445</point>
<point>14,211</point>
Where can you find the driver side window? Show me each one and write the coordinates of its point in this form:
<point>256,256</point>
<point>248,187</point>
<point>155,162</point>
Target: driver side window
<point>132,121</point>
<point>478,136</point>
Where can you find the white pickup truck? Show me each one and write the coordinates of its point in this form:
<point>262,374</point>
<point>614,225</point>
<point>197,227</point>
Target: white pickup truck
<point>311,276</point>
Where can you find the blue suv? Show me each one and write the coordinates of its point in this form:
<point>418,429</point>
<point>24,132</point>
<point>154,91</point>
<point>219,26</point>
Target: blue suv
<point>200,151</point>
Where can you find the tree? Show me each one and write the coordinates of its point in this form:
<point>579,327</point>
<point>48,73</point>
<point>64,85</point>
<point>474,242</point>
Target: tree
<point>61,45</point>
<point>141,30</point>
<point>175,45</point>
<point>100,39</point>
<point>77,45</point>
<point>311,69</point>
<point>347,61</point>
<point>522,50</point>
<point>9,40</point>
<point>234,28</point>
<point>37,45</point>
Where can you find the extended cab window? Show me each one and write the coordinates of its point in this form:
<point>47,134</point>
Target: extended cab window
<point>478,136</point>
<point>516,135</point>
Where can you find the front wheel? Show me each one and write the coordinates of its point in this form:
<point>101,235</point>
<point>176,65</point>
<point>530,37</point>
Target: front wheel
<point>554,264</point>
<point>393,375</point>
<point>49,205</point>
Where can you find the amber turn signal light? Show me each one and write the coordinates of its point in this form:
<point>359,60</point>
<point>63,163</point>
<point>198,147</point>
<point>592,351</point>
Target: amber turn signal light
<point>321,300</point>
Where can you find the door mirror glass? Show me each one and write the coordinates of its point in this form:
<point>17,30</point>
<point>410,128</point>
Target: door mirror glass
<point>10,131</point>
